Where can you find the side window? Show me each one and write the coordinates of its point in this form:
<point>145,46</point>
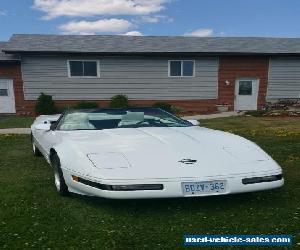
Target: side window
<point>183,68</point>
<point>83,68</point>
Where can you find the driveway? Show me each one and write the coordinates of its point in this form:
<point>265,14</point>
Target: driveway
<point>15,131</point>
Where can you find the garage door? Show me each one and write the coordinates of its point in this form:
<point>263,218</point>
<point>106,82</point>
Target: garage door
<point>284,78</point>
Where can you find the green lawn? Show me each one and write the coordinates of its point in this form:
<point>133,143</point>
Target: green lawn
<point>16,121</point>
<point>258,124</point>
<point>32,215</point>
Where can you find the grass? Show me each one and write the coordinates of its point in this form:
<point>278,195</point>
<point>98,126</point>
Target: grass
<point>248,123</point>
<point>32,215</point>
<point>16,121</point>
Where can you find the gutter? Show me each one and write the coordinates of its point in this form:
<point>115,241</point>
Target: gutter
<point>153,53</point>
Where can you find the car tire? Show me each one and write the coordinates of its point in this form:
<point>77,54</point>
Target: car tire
<point>59,180</point>
<point>35,151</point>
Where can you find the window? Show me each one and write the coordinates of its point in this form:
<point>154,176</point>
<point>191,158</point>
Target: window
<point>245,87</point>
<point>83,69</point>
<point>3,92</point>
<point>175,68</point>
<point>181,68</point>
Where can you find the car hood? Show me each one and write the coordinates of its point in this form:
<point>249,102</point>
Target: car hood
<point>135,153</point>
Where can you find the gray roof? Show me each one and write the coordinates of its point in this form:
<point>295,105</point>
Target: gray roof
<point>6,57</point>
<point>151,44</point>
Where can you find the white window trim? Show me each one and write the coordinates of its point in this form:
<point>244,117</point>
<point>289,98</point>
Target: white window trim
<point>83,60</point>
<point>169,68</point>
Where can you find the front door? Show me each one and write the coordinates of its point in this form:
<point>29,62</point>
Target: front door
<point>246,92</point>
<point>7,96</point>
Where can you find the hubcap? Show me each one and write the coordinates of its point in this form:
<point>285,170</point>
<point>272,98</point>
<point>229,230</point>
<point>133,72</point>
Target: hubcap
<point>56,180</point>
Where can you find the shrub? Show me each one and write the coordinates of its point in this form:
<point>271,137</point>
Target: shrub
<point>119,101</point>
<point>176,110</point>
<point>163,105</point>
<point>86,105</point>
<point>256,113</point>
<point>63,109</point>
<point>167,107</point>
<point>45,105</point>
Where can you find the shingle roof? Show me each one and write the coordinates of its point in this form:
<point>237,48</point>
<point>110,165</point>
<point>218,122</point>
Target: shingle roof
<point>151,44</point>
<point>6,57</point>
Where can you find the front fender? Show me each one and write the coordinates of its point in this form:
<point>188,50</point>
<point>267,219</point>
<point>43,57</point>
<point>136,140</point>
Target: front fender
<point>75,161</point>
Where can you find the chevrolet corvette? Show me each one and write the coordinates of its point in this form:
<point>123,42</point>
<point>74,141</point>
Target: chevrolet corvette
<point>134,153</point>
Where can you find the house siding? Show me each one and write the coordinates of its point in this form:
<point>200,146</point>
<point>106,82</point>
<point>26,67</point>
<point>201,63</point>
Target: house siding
<point>140,78</point>
<point>284,78</point>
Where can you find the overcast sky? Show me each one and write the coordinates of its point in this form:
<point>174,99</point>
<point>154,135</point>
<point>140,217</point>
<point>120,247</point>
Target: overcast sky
<point>271,18</point>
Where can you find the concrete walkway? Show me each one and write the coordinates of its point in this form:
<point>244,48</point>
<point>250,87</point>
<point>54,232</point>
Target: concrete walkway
<point>212,116</point>
<point>19,131</point>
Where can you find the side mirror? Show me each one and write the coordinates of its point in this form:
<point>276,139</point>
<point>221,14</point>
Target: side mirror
<point>43,126</point>
<point>53,126</point>
<point>194,122</point>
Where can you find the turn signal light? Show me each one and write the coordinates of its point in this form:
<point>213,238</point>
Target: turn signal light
<point>132,187</point>
<point>254,180</point>
<point>75,178</point>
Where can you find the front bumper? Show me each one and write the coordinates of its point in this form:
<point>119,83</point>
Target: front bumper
<point>171,187</point>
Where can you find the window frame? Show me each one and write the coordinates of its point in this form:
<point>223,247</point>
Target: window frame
<point>169,67</point>
<point>83,60</point>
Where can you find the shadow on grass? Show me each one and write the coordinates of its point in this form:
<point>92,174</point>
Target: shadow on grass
<point>220,202</point>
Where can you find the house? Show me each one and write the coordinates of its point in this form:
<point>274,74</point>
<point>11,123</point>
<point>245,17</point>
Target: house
<point>192,73</point>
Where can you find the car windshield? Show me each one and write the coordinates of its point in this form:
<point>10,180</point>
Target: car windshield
<point>119,118</point>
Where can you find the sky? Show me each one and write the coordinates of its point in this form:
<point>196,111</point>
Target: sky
<point>239,18</point>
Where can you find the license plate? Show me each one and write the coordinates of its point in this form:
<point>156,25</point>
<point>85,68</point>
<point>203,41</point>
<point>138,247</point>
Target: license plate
<point>203,187</point>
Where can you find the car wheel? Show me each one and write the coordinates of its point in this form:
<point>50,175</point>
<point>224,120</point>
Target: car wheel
<point>35,151</point>
<point>59,180</point>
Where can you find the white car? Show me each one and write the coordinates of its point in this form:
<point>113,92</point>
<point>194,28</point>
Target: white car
<point>148,153</point>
